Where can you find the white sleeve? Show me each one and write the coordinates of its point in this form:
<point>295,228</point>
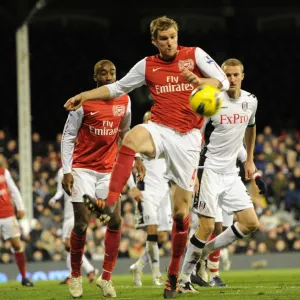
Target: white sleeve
<point>70,132</point>
<point>14,191</point>
<point>132,80</point>
<point>126,120</point>
<point>130,181</point>
<point>242,155</point>
<point>251,122</point>
<point>210,69</point>
<point>59,189</point>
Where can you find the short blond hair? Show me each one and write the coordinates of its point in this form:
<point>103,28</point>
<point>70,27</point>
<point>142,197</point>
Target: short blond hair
<point>147,116</point>
<point>232,62</point>
<point>162,23</point>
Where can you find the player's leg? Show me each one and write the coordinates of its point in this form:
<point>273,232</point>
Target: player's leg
<point>11,232</point>
<point>182,152</point>
<point>86,265</point>
<point>213,260</point>
<point>179,234</point>
<point>236,198</point>
<point>112,239</point>
<point>138,139</point>
<point>77,242</point>
<point>206,208</point>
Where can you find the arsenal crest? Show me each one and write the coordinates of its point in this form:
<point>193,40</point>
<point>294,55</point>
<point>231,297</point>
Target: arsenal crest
<point>245,106</point>
<point>186,64</point>
<point>118,110</point>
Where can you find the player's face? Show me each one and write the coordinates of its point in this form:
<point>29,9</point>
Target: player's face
<point>105,74</point>
<point>167,43</point>
<point>235,77</point>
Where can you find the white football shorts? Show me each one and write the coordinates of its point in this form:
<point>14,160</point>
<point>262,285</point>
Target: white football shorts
<point>180,150</point>
<point>9,228</point>
<point>89,182</point>
<point>224,190</point>
<point>154,210</point>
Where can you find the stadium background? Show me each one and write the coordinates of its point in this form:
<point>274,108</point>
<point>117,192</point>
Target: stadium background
<point>68,37</point>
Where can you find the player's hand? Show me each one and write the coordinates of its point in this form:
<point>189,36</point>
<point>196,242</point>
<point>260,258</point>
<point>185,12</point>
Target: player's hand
<point>261,185</point>
<point>20,214</point>
<point>249,169</point>
<point>52,202</point>
<point>141,170</point>
<point>191,77</point>
<point>67,183</point>
<point>74,103</point>
<point>135,194</point>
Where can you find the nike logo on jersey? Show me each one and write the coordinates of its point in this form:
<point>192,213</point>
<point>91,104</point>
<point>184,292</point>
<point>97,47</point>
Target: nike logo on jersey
<point>93,112</point>
<point>155,69</point>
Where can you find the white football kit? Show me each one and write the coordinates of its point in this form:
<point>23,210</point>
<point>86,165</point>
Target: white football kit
<point>220,183</point>
<point>155,209</point>
<point>68,223</point>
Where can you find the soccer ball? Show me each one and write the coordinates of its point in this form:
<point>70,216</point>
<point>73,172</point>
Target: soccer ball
<point>206,100</point>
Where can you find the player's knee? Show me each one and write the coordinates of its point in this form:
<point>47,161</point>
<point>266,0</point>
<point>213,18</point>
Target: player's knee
<point>115,222</point>
<point>179,216</point>
<point>80,227</point>
<point>252,226</point>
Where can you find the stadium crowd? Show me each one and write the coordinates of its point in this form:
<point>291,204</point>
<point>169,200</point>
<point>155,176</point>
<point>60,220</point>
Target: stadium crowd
<point>277,157</point>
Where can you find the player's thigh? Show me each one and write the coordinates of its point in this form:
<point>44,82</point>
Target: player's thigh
<point>147,211</point>
<point>182,154</point>
<point>141,139</point>
<point>84,184</point>
<point>236,197</point>
<point>210,190</point>
<point>102,184</point>
<point>67,228</point>
<point>165,220</point>
<point>10,228</point>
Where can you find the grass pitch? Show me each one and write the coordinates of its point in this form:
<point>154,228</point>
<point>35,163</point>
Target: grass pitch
<point>280,284</point>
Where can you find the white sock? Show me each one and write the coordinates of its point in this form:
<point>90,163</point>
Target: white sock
<point>153,257</point>
<point>68,262</point>
<point>143,261</point>
<point>87,265</point>
<point>224,239</point>
<point>192,256</point>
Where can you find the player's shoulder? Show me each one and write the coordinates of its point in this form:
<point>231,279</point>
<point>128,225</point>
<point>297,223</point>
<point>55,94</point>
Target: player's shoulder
<point>249,96</point>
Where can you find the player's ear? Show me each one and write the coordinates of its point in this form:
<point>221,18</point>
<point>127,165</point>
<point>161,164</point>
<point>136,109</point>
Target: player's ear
<point>153,41</point>
<point>243,76</point>
<point>95,77</point>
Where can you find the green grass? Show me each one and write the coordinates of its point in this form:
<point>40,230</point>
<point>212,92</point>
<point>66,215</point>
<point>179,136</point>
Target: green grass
<point>280,284</point>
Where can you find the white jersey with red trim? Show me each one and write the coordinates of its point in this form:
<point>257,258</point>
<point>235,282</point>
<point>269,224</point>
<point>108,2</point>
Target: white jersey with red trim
<point>224,132</point>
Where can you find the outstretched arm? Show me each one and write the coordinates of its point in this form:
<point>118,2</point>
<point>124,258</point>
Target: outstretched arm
<point>134,79</point>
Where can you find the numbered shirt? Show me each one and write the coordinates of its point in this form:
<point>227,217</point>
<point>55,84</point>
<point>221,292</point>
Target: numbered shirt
<point>168,88</point>
<point>224,132</point>
<point>90,136</point>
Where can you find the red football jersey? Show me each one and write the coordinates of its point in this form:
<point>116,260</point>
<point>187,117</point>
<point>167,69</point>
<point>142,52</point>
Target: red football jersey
<point>97,140</point>
<point>171,92</point>
<point>6,206</point>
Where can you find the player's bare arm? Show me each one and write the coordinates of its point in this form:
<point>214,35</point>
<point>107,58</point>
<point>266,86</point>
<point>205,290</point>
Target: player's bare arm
<point>194,79</point>
<point>250,136</point>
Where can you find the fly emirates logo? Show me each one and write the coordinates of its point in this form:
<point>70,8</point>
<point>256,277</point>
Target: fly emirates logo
<point>173,85</point>
<point>107,129</point>
<point>233,119</point>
